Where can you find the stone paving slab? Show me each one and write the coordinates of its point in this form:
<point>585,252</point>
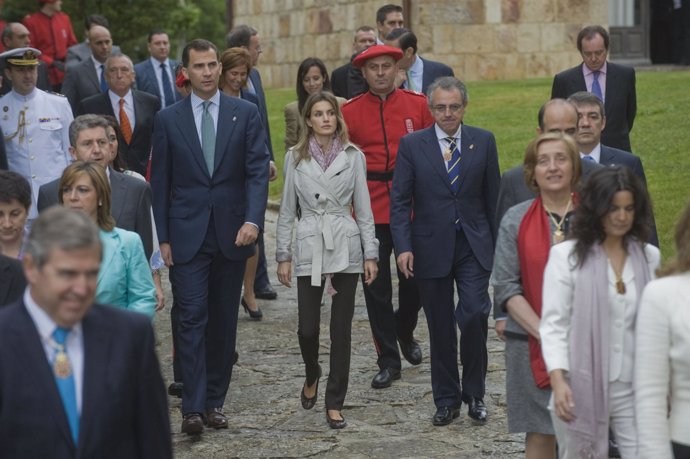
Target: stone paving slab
<point>267,420</point>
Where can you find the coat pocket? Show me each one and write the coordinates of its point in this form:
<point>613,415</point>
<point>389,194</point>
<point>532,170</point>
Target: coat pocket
<point>354,242</point>
<point>304,247</point>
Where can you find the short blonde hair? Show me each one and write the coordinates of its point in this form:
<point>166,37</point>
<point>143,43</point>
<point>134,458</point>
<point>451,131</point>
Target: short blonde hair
<point>531,153</point>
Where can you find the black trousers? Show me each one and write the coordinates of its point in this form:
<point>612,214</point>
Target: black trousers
<point>385,324</point>
<point>342,310</point>
<point>680,451</point>
<point>261,280</point>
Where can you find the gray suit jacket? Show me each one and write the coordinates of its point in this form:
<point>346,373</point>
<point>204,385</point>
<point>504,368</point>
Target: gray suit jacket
<point>80,52</point>
<point>81,81</point>
<point>130,207</point>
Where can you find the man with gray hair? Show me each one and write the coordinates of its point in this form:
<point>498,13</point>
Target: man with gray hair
<point>443,204</point>
<point>60,352</point>
<point>133,109</point>
<point>131,197</point>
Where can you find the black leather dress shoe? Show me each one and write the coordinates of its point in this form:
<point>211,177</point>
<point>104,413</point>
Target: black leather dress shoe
<point>266,293</point>
<point>410,350</point>
<point>175,389</point>
<point>445,415</point>
<point>192,424</point>
<point>216,419</point>
<point>476,410</point>
<point>384,378</point>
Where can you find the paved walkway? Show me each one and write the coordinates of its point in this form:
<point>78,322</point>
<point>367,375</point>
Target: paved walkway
<point>267,420</point>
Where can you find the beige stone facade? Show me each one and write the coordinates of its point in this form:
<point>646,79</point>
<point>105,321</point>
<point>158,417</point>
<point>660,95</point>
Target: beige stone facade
<point>481,40</point>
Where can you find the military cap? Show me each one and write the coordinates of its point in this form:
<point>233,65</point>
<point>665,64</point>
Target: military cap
<point>21,56</point>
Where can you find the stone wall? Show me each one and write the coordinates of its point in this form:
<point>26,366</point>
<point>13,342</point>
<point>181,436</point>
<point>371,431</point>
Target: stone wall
<point>481,40</point>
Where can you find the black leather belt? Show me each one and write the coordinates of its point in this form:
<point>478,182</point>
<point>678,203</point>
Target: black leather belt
<point>380,176</point>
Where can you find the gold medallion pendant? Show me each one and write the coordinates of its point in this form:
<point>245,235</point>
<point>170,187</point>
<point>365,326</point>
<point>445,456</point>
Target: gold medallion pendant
<point>558,236</point>
<point>61,365</point>
<point>620,286</point>
<point>447,154</point>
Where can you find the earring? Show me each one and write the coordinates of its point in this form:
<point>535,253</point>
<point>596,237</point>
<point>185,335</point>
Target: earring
<point>100,203</point>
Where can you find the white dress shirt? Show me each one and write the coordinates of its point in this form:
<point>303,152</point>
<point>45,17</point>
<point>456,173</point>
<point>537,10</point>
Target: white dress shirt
<point>129,107</point>
<point>159,79</point>
<point>443,143</point>
<point>99,70</point>
<point>74,345</point>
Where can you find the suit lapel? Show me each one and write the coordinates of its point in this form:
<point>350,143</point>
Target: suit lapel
<point>119,192</point>
<point>187,127</point>
<point>467,153</point>
<point>28,340</point>
<point>92,75</point>
<point>227,120</point>
<point>95,383</point>
<point>430,149</point>
<point>138,115</point>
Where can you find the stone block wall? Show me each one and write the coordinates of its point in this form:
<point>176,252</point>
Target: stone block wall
<point>480,39</point>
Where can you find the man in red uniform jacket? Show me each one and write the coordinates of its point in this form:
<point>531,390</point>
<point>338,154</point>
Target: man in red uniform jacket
<point>51,32</point>
<point>376,121</point>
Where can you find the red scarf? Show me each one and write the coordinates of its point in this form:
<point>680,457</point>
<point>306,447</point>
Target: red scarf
<point>534,243</point>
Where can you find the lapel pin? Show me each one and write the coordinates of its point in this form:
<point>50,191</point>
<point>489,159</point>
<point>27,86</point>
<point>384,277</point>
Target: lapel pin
<point>471,146</point>
<point>234,118</point>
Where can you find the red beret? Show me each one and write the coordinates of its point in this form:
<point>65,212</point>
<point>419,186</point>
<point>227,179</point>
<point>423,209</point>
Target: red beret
<point>376,51</point>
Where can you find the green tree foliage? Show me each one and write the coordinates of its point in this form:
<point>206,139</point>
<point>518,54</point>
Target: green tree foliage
<point>132,20</point>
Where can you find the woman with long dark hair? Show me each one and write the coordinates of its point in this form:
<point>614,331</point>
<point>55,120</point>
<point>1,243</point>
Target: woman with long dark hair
<point>592,286</point>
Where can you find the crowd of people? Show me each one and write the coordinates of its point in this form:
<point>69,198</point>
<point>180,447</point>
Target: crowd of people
<point>139,167</point>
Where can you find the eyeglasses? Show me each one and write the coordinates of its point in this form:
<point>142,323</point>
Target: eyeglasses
<point>454,108</point>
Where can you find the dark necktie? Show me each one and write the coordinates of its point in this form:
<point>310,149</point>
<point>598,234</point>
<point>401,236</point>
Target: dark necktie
<point>64,379</point>
<point>596,87</point>
<point>453,164</point>
<point>167,87</point>
<point>208,137</point>
<point>104,85</point>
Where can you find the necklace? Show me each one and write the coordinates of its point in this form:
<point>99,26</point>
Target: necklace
<point>61,365</point>
<point>620,285</point>
<point>558,235</point>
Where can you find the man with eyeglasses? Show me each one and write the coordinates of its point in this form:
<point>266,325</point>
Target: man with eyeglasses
<point>443,204</point>
<point>131,197</point>
<point>133,109</point>
<point>614,84</point>
<point>35,124</point>
<point>376,121</point>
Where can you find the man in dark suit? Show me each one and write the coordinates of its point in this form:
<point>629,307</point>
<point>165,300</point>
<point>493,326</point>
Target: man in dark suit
<point>134,111</point>
<point>16,35</point>
<point>88,78</point>
<point>12,281</point>
<point>612,83</point>
<point>347,81</point>
<point>416,73</point>
<point>592,124</point>
<point>77,379</point>
<point>81,51</point>
<point>210,181</point>
<point>443,204</point>
<point>156,75</point>
<point>131,197</point>
<point>247,37</point>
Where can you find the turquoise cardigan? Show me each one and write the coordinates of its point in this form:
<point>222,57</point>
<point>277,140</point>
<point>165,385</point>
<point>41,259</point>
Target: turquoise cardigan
<point>124,279</point>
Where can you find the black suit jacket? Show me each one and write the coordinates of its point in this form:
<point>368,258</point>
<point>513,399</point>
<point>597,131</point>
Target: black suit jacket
<point>130,206</point>
<point>124,410</point>
<point>12,281</point>
<point>136,154</point>
<point>620,104</point>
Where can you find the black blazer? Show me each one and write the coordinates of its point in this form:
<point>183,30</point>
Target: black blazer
<point>130,206</point>
<point>124,406</point>
<point>136,154</point>
<point>620,104</point>
<point>12,281</point>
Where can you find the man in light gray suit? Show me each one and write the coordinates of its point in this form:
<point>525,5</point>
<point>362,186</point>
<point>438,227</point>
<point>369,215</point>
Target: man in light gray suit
<point>131,197</point>
<point>88,78</point>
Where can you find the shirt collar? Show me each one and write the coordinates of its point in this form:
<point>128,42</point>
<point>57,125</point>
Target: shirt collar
<point>196,100</point>
<point>587,71</point>
<point>157,63</point>
<point>23,98</point>
<point>115,99</point>
<point>97,64</point>
<point>44,324</point>
<point>417,67</point>
<point>595,153</point>
<point>441,135</point>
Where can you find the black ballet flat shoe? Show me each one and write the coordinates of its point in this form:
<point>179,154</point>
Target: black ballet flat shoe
<point>335,423</point>
<point>254,315</point>
<point>309,402</point>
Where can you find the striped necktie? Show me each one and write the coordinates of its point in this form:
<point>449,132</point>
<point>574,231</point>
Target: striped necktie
<point>453,164</point>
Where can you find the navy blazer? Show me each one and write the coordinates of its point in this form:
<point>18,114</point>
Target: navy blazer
<point>185,194</point>
<point>620,104</point>
<point>130,205</point>
<point>146,78</point>
<point>136,154</point>
<point>124,405</point>
<point>433,70</point>
<point>255,78</point>
<point>421,188</point>
<point>12,281</point>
